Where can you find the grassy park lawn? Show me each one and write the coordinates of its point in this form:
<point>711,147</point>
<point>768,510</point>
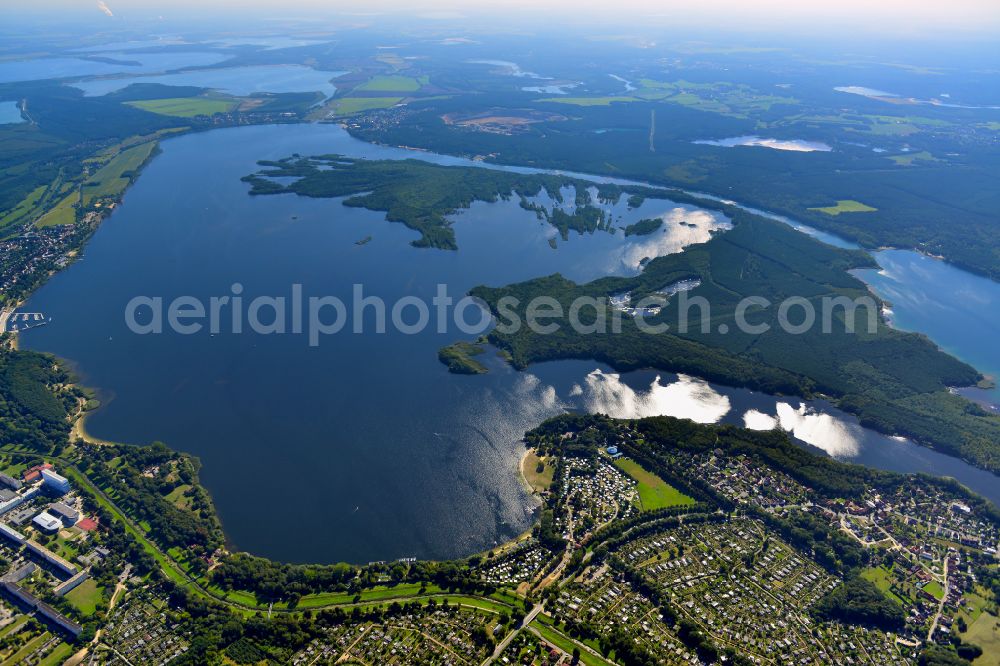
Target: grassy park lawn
<point>185,107</point>
<point>846,206</point>
<point>538,481</point>
<point>566,644</point>
<point>507,598</point>
<point>177,498</point>
<point>13,626</point>
<point>453,599</point>
<point>391,84</point>
<point>654,492</point>
<point>374,594</point>
<point>31,646</point>
<point>934,589</point>
<point>58,655</point>
<point>87,597</point>
<point>63,546</point>
<point>234,596</point>
<point>883,579</point>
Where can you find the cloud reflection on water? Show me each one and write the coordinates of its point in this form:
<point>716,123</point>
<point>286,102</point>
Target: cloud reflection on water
<point>688,397</point>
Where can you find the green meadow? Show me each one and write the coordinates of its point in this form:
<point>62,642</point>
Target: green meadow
<point>846,206</point>
<point>654,492</point>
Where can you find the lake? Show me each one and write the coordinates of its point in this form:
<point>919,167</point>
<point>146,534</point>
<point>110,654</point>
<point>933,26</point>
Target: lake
<point>58,68</point>
<point>9,113</point>
<point>364,447</point>
<point>957,310</point>
<point>233,80</point>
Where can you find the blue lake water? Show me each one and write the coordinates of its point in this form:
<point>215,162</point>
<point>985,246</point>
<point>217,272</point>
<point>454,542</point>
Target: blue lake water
<point>364,447</point>
<point>233,80</point>
<point>9,113</point>
<point>162,40</point>
<point>957,310</point>
<point>57,68</point>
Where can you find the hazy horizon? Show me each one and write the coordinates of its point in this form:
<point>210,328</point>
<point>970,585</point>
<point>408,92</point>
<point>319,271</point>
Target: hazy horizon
<point>893,19</point>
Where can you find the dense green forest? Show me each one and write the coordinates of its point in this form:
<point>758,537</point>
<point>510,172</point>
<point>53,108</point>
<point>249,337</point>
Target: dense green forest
<point>895,382</point>
<point>858,601</point>
<point>34,401</point>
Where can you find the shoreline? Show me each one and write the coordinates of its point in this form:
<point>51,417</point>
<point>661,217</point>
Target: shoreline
<point>79,431</point>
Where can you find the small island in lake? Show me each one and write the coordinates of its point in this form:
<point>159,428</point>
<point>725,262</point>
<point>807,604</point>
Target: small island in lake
<point>458,356</point>
<point>644,227</point>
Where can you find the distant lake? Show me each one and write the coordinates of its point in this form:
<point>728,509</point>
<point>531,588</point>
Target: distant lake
<point>134,44</point>
<point>864,92</point>
<point>940,100</point>
<point>510,68</point>
<point>365,447</point>
<point>629,87</point>
<point>269,43</point>
<point>795,145</point>
<point>233,80</point>
<point>59,68</point>
<point>554,89</point>
<point>9,113</point>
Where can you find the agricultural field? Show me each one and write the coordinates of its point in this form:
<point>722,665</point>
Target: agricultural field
<point>393,83</point>
<point>985,632</point>
<point>350,105</point>
<point>63,213</point>
<point>723,98</point>
<point>21,211</point>
<point>112,179</point>
<point>185,107</point>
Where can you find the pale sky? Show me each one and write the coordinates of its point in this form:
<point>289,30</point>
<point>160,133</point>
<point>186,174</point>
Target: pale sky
<point>891,17</point>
